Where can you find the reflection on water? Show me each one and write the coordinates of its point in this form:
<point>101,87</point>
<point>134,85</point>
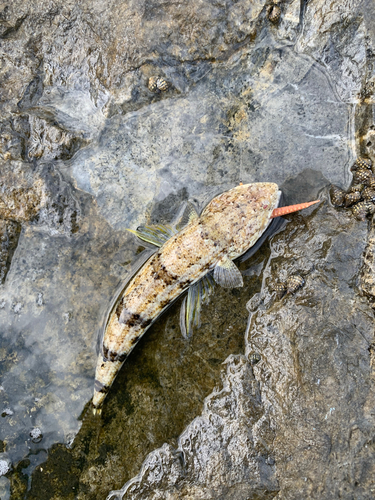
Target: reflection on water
<point>274,115</point>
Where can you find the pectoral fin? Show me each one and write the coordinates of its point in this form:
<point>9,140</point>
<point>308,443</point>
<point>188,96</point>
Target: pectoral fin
<point>159,234</point>
<point>198,294</point>
<point>188,215</point>
<point>227,274</point>
<point>156,235</point>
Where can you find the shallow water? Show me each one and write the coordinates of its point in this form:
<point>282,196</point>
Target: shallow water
<point>270,110</point>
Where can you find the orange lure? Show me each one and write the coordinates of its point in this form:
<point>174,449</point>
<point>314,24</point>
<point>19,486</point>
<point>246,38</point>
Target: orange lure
<point>292,208</point>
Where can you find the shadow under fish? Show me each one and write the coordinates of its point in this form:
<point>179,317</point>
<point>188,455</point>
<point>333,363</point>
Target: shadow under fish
<point>194,254</point>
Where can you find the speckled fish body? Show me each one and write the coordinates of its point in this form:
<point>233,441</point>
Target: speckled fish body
<point>230,224</point>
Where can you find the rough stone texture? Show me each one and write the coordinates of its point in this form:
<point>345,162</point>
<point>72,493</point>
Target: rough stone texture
<point>316,377</point>
<point>87,150</point>
<point>314,418</point>
<point>219,451</point>
<point>367,282</point>
<point>22,196</point>
<point>9,234</point>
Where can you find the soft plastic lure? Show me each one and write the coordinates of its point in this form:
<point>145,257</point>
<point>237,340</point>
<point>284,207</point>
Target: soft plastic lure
<point>192,259</point>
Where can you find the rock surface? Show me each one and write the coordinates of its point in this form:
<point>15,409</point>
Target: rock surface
<point>308,410</point>
<point>87,150</point>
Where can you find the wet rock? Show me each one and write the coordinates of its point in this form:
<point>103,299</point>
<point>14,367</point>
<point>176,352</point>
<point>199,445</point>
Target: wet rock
<point>87,151</point>
<point>9,235</point>
<point>312,365</point>
<point>40,196</point>
<point>22,194</point>
<point>367,282</point>
<point>49,142</point>
<point>218,452</point>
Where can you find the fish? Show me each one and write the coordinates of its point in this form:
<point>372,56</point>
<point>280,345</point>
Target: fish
<point>192,256</point>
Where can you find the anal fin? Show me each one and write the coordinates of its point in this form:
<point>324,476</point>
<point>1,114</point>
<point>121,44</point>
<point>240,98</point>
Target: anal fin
<point>198,294</point>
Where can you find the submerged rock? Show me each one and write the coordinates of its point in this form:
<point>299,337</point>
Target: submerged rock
<point>316,376</point>
<point>88,150</point>
<point>224,453</point>
<point>304,411</point>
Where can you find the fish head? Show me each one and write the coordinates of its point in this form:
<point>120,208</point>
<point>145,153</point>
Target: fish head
<point>239,217</point>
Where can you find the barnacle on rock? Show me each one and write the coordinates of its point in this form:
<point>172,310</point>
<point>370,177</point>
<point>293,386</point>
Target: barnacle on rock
<point>280,289</point>
<point>368,194</point>
<point>362,176</point>
<point>255,358</point>
<point>9,232</point>
<point>356,187</point>
<point>364,163</point>
<point>362,209</point>
<point>162,84</point>
<point>337,196</point>
<point>294,282</point>
<point>351,198</point>
<point>274,14</point>
<point>152,83</point>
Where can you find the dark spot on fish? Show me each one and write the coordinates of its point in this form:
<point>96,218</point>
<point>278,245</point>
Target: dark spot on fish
<point>146,322</point>
<point>164,303</point>
<point>165,275</point>
<point>215,243</point>
<point>111,355</point>
<point>119,308</point>
<point>129,318</point>
<point>122,357</point>
<point>99,387</point>
<point>135,339</point>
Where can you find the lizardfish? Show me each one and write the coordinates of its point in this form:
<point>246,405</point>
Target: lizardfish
<point>191,258</point>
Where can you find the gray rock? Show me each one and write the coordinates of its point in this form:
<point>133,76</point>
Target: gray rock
<point>218,452</point>
<point>87,150</point>
<point>308,405</point>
